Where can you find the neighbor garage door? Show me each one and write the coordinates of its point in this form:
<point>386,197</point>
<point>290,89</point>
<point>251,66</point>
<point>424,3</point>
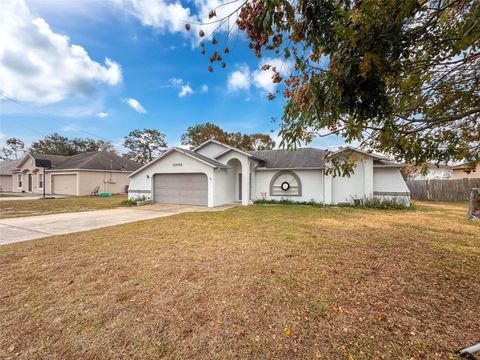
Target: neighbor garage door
<point>187,189</point>
<point>64,184</point>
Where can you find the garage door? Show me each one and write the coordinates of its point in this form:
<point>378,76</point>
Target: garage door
<point>64,184</point>
<point>187,189</point>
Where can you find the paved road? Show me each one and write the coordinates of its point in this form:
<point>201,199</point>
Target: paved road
<point>36,227</point>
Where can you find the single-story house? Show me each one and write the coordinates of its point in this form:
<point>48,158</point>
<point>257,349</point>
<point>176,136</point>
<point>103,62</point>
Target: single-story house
<point>73,175</point>
<point>6,168</point>
<point>214,174</point>
<point>434,172</point>
<point>463,171</point>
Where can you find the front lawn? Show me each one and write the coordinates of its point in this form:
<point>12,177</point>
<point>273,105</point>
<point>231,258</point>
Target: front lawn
<point>265,281</point>
<point>8,195</point>
<point>16,208</point>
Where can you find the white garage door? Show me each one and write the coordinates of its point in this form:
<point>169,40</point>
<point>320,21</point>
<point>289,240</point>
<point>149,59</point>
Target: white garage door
<point>64,184</point>
<point>187,189</point>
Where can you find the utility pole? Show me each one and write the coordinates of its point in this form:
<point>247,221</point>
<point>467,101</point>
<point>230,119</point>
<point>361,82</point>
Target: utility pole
<point>43,164</point>
<point>44,185</point>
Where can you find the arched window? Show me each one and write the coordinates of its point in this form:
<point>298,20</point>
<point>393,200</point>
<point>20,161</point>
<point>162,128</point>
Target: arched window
<point>285,183</point>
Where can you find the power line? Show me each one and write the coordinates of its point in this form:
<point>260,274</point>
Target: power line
<point>22,104</point>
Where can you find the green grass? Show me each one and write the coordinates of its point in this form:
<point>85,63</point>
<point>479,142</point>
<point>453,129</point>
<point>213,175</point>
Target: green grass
<point>8,195</point>
<point>13,208</point>
<point>257,282</point>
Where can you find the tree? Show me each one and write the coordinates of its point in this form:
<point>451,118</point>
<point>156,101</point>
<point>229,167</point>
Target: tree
<point>52,144</point>
<point>261,142</point>
<point>62,145</point>
<point>14,149</point>
<point>198,134</point>
<point>80,145</point>
<point>144,145</point>
<point>399,77</point>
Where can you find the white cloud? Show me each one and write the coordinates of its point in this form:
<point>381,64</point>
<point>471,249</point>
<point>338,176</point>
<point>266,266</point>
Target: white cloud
<point>263,78</point>
<point>102,114</point>
<point>158,14</point>
<point>243,78</point>
<point>239,79</point>
<point>185,90</point>
<point>172,16</point>
<point>135,105</point>
<point>204,89</point>
<point>70,128</point>
<point>175,82</point>
<point>41,66</point>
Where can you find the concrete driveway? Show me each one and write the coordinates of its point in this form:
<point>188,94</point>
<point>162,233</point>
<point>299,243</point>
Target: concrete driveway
<point>36,227</point>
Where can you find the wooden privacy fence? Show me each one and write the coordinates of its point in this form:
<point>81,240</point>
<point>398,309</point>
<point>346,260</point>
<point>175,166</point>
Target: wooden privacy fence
<point>442,190</point>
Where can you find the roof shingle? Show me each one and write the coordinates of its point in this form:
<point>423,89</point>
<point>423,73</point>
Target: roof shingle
<point>7,166</point>
<point>291,159</point>
<point>99,160</point>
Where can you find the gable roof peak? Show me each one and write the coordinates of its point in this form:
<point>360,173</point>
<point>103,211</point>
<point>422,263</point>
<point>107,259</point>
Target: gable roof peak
<point>208,142</point>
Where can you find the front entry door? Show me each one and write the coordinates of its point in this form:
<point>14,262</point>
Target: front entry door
<point>240,186</point>
<point>30,182</point>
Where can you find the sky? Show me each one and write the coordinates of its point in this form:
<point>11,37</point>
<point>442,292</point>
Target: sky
<point>101,68</point>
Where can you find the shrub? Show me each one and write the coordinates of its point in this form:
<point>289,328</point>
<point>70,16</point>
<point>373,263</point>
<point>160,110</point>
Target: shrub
<point>384,204</point>
<point>283,201</point>
<point>366,203</point>
<point>129,202</point>
<point>134,201</point>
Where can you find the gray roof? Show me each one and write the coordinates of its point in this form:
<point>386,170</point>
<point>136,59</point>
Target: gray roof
<point>98,160</point>
<point>203,158</point>
<point>291,159</point>
<point>7,166</point>
<point>54,159</point>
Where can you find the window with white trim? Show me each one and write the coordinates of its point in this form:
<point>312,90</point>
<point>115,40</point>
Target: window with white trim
<point>40,181</point>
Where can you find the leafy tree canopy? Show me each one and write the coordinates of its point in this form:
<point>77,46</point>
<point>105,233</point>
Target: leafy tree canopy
<point>14,149</point>
<point>198,134</point>
<point>62,145</point>
<point>400,77</point>
<point>144,145</point>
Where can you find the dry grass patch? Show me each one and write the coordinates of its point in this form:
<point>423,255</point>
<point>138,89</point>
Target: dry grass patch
<point>14,208</point>
<point>257,282</point>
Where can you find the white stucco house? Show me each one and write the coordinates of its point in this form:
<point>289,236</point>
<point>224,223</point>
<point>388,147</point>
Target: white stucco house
<point>215,174</point>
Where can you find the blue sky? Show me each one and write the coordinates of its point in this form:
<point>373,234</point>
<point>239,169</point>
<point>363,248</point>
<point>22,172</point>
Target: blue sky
<point>138,69</point>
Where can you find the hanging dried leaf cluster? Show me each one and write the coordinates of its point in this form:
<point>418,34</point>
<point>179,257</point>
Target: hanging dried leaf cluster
<point>399,77</point>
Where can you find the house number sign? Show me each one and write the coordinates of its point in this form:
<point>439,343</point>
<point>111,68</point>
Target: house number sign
<point>177,164</point>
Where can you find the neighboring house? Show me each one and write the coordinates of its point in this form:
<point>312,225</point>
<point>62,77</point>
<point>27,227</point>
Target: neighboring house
<point>73,175</point>
<point>464,172</point>
<point>6,168</point>
<point>214,174</point>
<point>435,172</point>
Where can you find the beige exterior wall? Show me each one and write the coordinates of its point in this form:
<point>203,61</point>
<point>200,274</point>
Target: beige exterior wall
<point>28,168</point>
<point>109,182</point>
<point>460,174</point>
<point>36,189</point>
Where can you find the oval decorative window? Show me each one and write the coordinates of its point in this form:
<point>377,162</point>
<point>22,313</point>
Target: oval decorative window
<point>285,183</point>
